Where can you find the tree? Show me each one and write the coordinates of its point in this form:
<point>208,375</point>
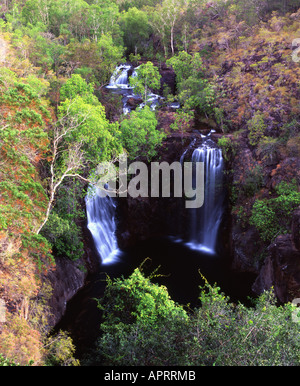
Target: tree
<point>82,136</point>
<point>170,11</point>
<point>136,28</point>
<point>72,161</point>
<point>194,91</point>
<point>147,78</point>
<point>163,19</point>
<point>139,135</point>
<point>103,17</point>
<point>75,86</point>
<point>141,324</point>
<point>110,54</point>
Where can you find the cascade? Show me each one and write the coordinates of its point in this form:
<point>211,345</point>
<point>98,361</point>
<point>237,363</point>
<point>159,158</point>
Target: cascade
<point>119,78</point>
<point>119,83</point>
<point>205,221</point>
<point>101,223</point>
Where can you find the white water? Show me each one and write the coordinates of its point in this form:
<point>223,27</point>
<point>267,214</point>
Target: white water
<point>205,221</point>
<point>119,82</point>
<point>101,223</point>
<point>119,78</point>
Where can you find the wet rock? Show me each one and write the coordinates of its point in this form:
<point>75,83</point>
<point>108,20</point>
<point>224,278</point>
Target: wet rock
<point>134,102</point>
<point>66,279</point>
<point>281,270</point>
<point>244,247</point>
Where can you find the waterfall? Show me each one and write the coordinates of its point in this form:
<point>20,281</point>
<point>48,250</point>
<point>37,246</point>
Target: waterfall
<point>119,78</point>
<point>101,223</point>
<point>205,221</point>
<point>119,83</point>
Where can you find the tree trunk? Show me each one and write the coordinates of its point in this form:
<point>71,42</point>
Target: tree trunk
<point>172,40</point>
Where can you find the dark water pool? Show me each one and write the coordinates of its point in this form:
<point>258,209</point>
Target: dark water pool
<point>180,268</point>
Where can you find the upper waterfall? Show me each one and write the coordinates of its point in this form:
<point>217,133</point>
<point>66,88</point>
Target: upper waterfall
<point>120,83</point>
<point>120,77</point>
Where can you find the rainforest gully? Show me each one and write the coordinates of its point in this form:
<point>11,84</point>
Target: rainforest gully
<point>149,185</point>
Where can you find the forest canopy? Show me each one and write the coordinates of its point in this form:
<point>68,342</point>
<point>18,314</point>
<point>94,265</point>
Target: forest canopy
<point>232,70</point>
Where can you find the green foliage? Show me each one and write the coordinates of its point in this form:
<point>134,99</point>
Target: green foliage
<point>147,79</point>
<point>110,54</point>
<point>40,86</point>
<point>135,26</point>
<point>7,77</point>
<point>77,86</point>
<point>63,229</point>
<point>142,325</point>
<point>94,131</point>
<point>139,135</point>
<point>257,128</point>
<point>228,148</point>
<point>61,350</point>
<point>264,219</point>
<point>273,216</point>
<point>194,91</point>
<point>228,335</point>
<point>65,237</point>
<point>7,362</point>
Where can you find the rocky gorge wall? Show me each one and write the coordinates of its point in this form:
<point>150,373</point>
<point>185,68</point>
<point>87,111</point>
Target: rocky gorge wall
<point>276,264</point>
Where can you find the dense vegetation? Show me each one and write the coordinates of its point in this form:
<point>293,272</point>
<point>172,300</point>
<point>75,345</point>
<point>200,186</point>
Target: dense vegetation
<point>143,327</point>
<point>234,72</point>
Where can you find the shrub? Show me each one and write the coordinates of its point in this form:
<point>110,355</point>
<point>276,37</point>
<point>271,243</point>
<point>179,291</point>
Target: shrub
<point>272,217</point>
<point>64,236</point>
<point>61,350</point>
<point>139,134</point>
<point>268,150</point>
<point>7,362</point>
<point>142,325</point>
<point>253,181</point>
<point>257,128</point>
<point>228,335</point>
<point>228,148</point>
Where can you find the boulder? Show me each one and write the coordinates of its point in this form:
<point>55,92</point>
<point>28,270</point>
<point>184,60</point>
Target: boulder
<point>281,270</point>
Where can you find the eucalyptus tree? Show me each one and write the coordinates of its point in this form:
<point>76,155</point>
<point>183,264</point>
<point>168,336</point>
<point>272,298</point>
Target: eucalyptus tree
<point>82,137</point>
<point>163,19</point>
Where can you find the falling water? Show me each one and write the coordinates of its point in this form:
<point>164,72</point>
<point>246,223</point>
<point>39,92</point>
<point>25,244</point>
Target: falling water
<point>119,78</point>
<point>205,221</point>
<point>101,223</point>
<point>119,83</point>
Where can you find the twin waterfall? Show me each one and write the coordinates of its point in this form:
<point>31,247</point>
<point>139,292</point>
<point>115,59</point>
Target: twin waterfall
<point>204,222</point>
